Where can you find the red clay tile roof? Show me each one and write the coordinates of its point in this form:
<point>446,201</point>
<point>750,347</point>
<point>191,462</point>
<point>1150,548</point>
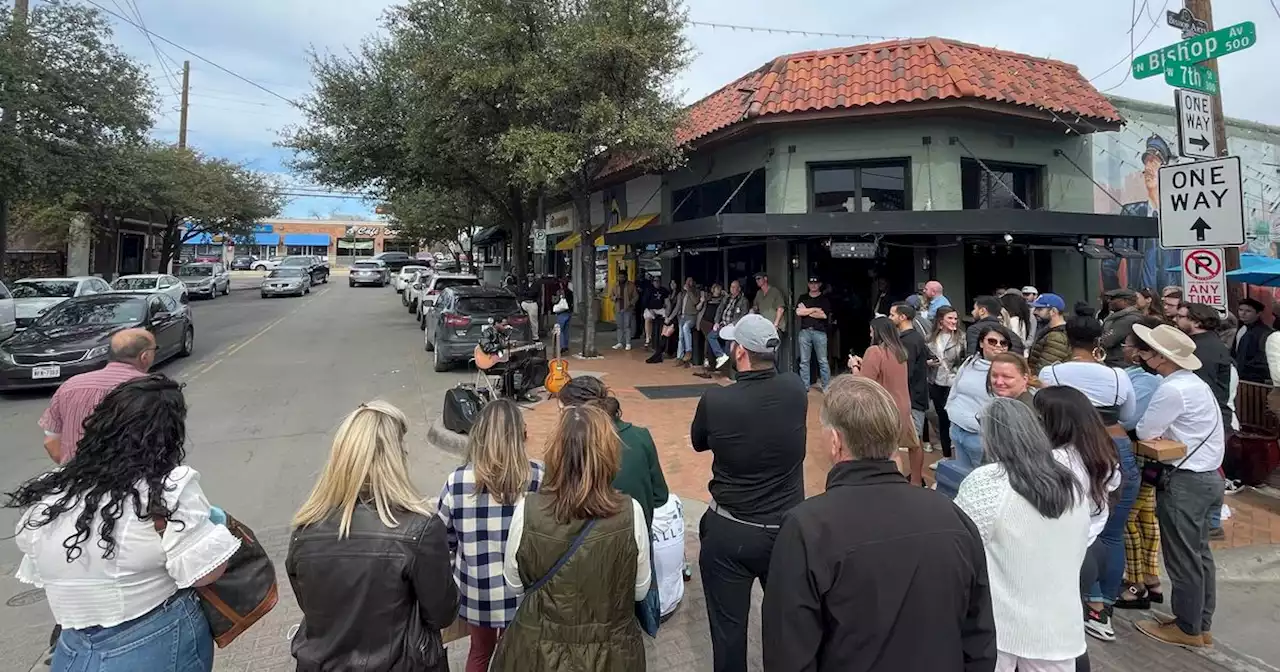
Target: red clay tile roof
<point>907,71</point>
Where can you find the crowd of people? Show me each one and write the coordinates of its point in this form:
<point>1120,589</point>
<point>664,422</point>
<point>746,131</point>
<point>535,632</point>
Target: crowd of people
<point>1044,520</point>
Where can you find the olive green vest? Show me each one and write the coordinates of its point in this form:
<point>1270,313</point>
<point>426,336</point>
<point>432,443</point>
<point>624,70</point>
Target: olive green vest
<point>584,617</point>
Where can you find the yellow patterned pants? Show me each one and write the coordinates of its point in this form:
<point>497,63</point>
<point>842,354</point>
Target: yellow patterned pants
<point>1142,538</point>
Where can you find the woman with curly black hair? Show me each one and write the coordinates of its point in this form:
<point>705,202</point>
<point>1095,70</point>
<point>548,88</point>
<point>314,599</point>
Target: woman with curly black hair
<point>118,536</point>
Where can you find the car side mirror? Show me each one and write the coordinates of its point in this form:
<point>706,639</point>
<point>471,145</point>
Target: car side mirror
<point>162,315</point>
<point>185,299</point>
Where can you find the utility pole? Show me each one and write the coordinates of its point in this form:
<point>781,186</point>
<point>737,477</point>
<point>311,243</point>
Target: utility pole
<point>21,9</point>
<point>1203,10</point>
<point>186,92</point>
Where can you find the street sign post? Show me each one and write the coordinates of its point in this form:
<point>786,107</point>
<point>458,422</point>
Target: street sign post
<point>1187,22</point>
<point>1202,204</point>
<point>1198,49</point>
<point>1195,124</point>
<point>1195,77</point>
<point>539,241</point>
<point>1203,279</point>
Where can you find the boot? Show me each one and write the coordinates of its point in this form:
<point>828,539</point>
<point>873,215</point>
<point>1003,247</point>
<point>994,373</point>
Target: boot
<point>1166,619</point>
<point>1169,633</point>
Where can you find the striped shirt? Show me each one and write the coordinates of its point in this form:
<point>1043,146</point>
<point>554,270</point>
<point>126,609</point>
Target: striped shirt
<point>76,399</point>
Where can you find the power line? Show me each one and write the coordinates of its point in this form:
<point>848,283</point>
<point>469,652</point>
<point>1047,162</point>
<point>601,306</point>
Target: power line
<point>785,31</point>
<point>194,54</point>
<point>1133,49</point>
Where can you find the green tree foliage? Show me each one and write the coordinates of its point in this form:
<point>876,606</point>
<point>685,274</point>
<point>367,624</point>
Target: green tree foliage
<point>435,217</point>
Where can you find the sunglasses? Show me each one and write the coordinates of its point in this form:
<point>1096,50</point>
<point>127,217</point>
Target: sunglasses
<point>997,342</point>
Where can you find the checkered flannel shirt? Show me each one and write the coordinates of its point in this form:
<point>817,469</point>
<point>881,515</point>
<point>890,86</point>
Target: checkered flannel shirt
<point>477,528</point>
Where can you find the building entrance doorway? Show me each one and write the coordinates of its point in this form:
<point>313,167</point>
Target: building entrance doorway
<point>851,286</point>
<point>132,247</point>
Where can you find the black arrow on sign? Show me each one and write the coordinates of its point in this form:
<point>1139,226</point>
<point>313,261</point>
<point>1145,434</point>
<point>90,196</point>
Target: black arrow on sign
<point>1201,142</point>
<point>1200,227</point>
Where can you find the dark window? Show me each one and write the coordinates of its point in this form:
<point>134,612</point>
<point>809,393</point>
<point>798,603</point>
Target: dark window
<point>109,311</point>
<point>470,305</point>
<point>859,187</point>
<point>443,283</point>
<point>708,198</point>
<point>995,187</point>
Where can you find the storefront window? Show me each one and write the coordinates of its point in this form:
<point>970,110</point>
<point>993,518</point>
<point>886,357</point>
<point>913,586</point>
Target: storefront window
<point>353,248</point>
<point>317,250</point>
<point>994,188</point>
<point>859,187</point>
<point>710,198</point>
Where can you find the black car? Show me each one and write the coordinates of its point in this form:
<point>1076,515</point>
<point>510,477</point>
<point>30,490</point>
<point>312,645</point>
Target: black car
<point>73,337</point>
<point>395,260</point>
<point>243,263</point>
<point>319,272</point>
<point>456,320</point>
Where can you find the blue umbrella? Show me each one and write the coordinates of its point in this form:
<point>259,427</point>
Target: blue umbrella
<point>1263,274</point>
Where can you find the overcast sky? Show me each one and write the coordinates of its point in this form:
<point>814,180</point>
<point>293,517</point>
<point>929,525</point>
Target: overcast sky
<point>267,42</point>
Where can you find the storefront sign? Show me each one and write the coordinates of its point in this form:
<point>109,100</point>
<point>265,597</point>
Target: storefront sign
<point>854,250</point>
<point>363,231</point>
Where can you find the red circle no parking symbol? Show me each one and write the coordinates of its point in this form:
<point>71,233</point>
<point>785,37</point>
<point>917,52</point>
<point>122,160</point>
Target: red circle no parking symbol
<point>1202,265</point>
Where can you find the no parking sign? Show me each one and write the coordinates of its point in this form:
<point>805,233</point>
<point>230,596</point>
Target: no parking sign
<point>1202,277</point>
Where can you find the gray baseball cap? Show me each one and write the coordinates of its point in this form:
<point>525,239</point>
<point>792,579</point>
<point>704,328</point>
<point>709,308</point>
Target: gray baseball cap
<point>753,332</point>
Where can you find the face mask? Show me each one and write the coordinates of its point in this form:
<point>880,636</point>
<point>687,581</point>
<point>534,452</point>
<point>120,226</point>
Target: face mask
<point>1147,367</point>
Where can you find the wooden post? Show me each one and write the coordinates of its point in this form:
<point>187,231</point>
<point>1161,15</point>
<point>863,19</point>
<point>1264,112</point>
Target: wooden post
<point>182,118</point>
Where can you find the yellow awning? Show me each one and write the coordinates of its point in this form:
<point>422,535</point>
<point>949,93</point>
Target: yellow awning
<point>628,224</point>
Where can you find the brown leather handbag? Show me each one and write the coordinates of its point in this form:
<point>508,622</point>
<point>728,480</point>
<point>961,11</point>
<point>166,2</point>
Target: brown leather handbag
<point>245,592</point>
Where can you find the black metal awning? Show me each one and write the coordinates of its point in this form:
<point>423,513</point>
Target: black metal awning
<point>489,236</point>
<point>905,222</point>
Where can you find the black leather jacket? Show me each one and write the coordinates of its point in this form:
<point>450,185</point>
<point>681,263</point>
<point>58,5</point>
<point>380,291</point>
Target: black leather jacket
<point>375,601</point>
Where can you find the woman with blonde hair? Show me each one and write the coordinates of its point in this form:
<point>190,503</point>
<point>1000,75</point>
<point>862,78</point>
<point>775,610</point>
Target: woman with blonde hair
<point>578,610</point>
<point>368,559</point>
<point>476,505</point>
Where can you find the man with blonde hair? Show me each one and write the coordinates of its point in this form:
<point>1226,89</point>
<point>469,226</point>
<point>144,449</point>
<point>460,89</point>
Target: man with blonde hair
<point>907,555</point>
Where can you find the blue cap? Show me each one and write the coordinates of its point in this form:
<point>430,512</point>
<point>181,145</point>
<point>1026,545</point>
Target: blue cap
<point>1050,301</point>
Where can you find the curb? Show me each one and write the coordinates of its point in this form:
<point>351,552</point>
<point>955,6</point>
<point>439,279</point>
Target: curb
<point>443,439</point>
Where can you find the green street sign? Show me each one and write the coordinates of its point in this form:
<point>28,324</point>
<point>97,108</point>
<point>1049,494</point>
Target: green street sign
<point>1195,77</point>
<point>1198,49</point>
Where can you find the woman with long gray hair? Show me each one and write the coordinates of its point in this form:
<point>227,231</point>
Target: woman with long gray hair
<point>1034,523</point>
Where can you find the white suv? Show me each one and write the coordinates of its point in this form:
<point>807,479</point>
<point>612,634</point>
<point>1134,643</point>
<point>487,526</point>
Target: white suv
<point>424,298</point>
<point>8,316</point>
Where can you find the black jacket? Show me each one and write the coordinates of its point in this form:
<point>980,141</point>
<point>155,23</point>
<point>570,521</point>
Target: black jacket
<point>917,368</point>
<point>875,575</point>
<point>375,601</point>
<point>755,430</point>
<point>1215,369</point>
<point>1251,354</point>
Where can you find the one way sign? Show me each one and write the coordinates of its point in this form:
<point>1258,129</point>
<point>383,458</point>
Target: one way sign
<point>1195,124</point>
<point>1202,204</point>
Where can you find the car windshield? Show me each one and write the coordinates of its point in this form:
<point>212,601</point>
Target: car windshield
<point>410,270</point>
<point>296,261</point>
<point>287,273</point>
<point>471,305</point>
<point>104,311</point>
<point>32,289</point>
<point>195,271</point>
<point>134,283</point>
<point>442,283</point>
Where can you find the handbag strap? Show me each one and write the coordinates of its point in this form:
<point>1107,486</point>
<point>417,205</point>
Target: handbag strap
<point>573,548</point>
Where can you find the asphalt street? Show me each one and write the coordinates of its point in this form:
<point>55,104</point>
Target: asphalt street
<point>268,384</point>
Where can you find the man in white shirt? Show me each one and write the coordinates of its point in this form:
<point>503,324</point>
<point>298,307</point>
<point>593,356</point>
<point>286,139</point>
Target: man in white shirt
<point>1183,409</point>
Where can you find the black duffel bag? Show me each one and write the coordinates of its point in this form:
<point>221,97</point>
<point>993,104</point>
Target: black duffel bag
<point>461,407</point>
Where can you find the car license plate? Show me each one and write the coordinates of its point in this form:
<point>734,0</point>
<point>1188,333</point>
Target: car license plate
<point>46,372</point>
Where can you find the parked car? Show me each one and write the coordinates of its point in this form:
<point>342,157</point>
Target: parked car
<point>243,263</point>
<point>412,290</point>
<point>207,280</point>
<point>402,279</point>
<point>368,273</point>
<point>394,260</point>
<point>432,285</point>
<point>34,296</point>
<point>456,320</point>
<point>74,336</point>
<point>286,281</point>
<point>154,282</point>
<point>8,316</point>
<point>319,273</point>
<point>265,264</point>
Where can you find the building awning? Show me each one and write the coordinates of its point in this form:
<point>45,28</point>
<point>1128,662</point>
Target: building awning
<point>202,238</point>
<point>303,239</point>
<point>907,222</point>
<point>628,224</point>
<point>489,236</point>
<point>266,239</point>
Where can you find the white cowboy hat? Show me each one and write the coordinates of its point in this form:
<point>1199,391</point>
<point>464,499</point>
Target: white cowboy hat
<point>1171,344</point>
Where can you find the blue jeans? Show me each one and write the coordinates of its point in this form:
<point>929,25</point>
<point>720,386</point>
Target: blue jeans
<point>562,319</point>
<point>967,448</point>
<point>1107,588</point>
<point>685,345</point>
<point>626,320</point>
<point>814,341</point>
<point>713,342</point>
<point>173,636</point>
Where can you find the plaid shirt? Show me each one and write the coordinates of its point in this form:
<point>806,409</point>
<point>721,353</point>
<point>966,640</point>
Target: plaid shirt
<point>477,528</point>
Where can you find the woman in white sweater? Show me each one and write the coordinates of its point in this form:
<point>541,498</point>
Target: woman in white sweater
<point>1034,522</point>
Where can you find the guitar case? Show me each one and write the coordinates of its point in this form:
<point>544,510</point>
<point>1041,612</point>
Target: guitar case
<point>461,407</point>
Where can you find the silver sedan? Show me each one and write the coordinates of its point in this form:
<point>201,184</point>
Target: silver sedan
<point>286,281</point>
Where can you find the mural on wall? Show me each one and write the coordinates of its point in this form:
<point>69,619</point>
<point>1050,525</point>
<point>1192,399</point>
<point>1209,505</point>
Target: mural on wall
<point>1127,164</point>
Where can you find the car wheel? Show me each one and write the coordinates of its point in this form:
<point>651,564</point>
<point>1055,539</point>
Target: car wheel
<point>264,295</point>
<point>308,290</point>
<point>188,342</point>
<point>325,279</point>
<point>227,289</point>
<point>430,346</point>
<point>422,321</point>
<point>439,363</point>
<point>413,307</point>
<point>351,283</point>
<point>213,294</point>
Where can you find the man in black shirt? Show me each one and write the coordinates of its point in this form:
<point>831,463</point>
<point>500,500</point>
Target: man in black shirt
<point>903,316</point>
<point>814,310</point>
<point>755,430</point>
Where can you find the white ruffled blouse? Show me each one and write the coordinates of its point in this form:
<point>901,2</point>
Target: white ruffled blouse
<point>146,567</point>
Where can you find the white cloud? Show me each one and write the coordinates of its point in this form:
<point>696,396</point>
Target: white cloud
<point>267,42</point>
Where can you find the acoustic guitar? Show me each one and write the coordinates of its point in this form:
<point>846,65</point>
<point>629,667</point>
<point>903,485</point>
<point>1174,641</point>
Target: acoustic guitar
<point>486,361</point>
<point>558,374</point>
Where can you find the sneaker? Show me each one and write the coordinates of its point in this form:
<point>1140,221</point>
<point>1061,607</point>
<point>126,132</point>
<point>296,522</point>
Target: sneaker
<point>1232,487</point>
<point>617,346</point>
<point>628,346</point>
<point>1098,624</point>
<point>721,361</point>
<point>1217,533</point>
<point>1170,634</point>
<point>928,447</point>
<point>933,466</point>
